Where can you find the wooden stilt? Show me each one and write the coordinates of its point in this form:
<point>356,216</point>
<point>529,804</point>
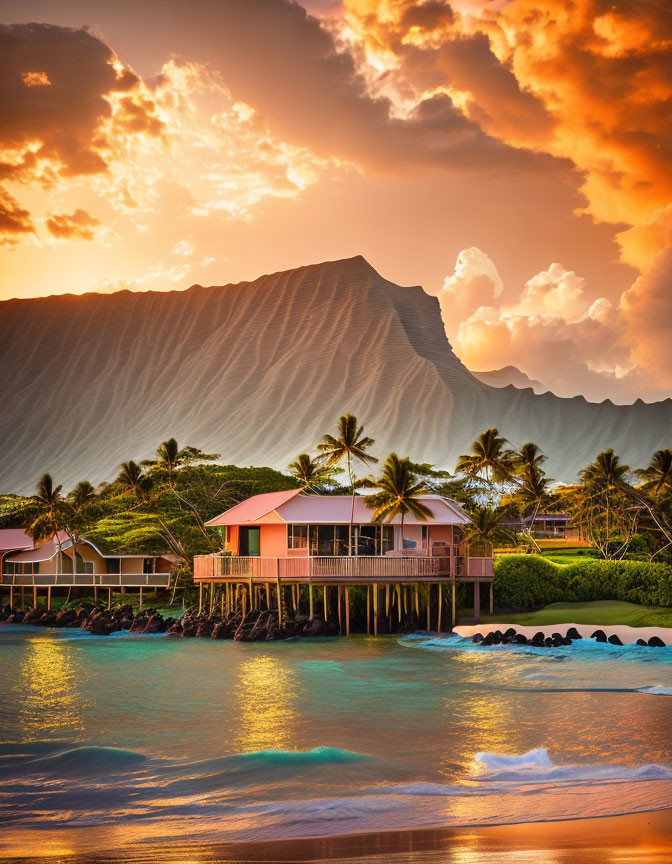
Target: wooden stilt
<point>375,610</point>
<point>11,596</point>
<point>398,593</point>
<point>492,599</point>
<point>429,603</point>
<point>251,598</point>
<point>109,598</point>
<point>325,600</point>
<point>222,598</point>
<point>387,600</point>
<point>141,598</point>
<point>453,613</point>
<point>49,597</point>
<point>279,593</point>
<point>200,597</point>
<point>310,600</point>
<point>439,601</point>
<point>368,609</point>
<point>34,596</point>
<point>477,602</point>
<point>22,601</point>
<point>339,595</point>
<point>347,610</point>
<point>123,589</point>
<point>95,593</point>
<point>417,602</point>
<point>268,596</point>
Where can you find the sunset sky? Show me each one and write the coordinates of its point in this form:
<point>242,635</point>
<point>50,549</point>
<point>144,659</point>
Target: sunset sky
<point>513,158</point>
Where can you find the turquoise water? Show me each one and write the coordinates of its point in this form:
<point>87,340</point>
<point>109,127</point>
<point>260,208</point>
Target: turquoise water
<point>153,738</point>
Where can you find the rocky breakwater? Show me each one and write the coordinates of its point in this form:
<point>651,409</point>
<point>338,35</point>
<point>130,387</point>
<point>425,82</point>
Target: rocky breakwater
<point>555,640</point>
<point>98,620</point>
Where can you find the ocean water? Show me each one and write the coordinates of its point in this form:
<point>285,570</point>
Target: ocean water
<point>128,741</point>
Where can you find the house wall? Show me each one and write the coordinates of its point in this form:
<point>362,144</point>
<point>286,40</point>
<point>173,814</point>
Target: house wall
<point>273,541</point>
<point>132,565</point>
<point>232,539</point>
<point>88,553</point>
<point>50,567</point>
<point>441,534</point>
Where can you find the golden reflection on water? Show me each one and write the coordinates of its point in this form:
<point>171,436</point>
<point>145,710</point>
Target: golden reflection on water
<point>266,690</point>
<point>50,698</point>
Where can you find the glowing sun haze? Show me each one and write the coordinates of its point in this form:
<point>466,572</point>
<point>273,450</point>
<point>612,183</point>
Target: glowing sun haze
<point>514,158</point>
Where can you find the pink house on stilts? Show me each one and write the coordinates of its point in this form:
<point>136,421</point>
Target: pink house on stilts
<point>288,540</point>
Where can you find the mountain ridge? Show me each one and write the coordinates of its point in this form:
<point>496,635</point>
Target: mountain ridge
<point>259,370</point>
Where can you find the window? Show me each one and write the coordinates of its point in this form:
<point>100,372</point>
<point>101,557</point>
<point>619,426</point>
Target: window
<point>147,565</point>
<point>297,536</point>
<point>387,539</point>
<point>113,565</point>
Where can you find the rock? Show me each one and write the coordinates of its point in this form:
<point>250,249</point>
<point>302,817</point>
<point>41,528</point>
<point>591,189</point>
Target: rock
<point>510,633</point>
<point>477,637</point>
<point>599,636</point>
<point>555,636</point>
<point>31,616</point>
<point>175,629</point>
<point>656,642</point>
<point>643,642</point>
<point>573,633</point>
<point>614,640</point>
<point>155,624</point>
<point>548,642</point>
<point>520,639</point>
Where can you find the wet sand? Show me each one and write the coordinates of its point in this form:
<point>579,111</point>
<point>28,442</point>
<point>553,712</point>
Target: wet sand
<point>645,838</point>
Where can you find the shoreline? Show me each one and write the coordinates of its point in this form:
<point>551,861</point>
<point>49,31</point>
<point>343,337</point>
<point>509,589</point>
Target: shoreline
<point>646,836</point>
<point>628,635</point>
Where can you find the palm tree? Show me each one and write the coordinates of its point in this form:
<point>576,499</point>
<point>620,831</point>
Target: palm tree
<point>486,528</point>
<point>133,480</point>
<point>533,483</point>
<point>490,460</point>
<point>46,514</point>
<point>400,490</point>
<point>603,499</point>
<point>658,474</point>
<point>350,444</point>
<point>83,494</point>
<point>309,472</point>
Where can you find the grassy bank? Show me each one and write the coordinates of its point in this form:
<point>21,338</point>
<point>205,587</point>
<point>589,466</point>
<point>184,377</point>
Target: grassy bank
<point>604,612</point>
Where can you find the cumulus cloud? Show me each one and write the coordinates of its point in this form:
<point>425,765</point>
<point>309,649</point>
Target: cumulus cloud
<point>15,222</point>
<point>553,330</point>
<point>61,87</point>
<point>78,225</point>
<point>647,309</point>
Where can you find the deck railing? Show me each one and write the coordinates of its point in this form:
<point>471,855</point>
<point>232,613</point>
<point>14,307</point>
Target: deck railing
<point>96,580</point>
<point>358,568</point>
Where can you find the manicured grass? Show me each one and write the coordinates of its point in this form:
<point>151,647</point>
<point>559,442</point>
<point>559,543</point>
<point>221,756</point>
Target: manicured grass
<point>570,557</point>
<point>604,612</point>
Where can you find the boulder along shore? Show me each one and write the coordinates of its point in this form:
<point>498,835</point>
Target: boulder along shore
<point>254,626</point>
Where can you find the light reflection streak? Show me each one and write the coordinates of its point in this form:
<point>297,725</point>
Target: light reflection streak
<point>50,689</point>
<point>265,691</point>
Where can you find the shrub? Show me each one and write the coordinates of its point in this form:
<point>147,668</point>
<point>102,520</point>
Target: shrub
<point>530,580</point>
<point>524,581</point>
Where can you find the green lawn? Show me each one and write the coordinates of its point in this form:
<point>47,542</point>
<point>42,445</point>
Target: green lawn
<point>600,612</point>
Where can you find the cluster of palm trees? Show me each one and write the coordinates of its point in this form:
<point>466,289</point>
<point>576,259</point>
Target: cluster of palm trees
<point>610,504</point>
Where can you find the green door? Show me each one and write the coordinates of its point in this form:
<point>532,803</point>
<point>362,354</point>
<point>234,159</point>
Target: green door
<point>250,541</point>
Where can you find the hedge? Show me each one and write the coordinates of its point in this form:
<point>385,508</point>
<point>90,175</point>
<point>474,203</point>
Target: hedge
<point>528,581</point>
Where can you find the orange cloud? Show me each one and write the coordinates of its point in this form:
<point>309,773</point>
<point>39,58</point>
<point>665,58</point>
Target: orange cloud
<point>35,79</point>
<point>15,222</point>
<point>78,225</point>
<point>53,121</point>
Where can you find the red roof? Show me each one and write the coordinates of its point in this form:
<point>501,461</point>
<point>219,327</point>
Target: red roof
<point>292,507</point>
<point>259,509</point>
<point>14,538</point>
<point>41,553</point>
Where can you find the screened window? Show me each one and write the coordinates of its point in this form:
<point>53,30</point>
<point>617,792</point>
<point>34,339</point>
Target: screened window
<point>297,536</point>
